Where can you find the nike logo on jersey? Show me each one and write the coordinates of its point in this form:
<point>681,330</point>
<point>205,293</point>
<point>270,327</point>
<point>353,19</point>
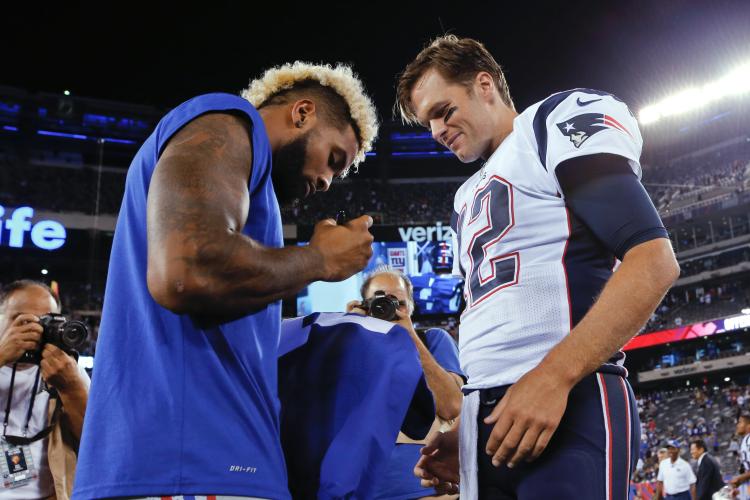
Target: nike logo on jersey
<point>579,128</point>
<point>585,103</point>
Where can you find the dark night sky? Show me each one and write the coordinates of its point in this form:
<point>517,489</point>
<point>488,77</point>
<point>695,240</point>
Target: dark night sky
<point>159,55</point>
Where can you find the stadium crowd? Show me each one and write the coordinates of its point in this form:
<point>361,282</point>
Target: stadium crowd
<point>709,413</point>
<point>701,302</point>
<point>696,179</point>
<point>408,201</point>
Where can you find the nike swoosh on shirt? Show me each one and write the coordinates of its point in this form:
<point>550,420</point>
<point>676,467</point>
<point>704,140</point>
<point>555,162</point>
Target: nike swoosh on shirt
<point>584,103</point>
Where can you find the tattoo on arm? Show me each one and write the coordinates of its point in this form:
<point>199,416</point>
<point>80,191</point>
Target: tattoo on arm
<point>202,181</point>
<point>200,262</point>
<point>199,195</point>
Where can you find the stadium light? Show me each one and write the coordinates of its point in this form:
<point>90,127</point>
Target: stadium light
<point>66,92</point>
<point>44,272</point>
<point>727,379</point>
<point>736,82</point>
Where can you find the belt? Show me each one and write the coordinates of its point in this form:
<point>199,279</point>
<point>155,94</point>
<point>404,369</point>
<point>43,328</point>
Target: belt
<point>492,395</point>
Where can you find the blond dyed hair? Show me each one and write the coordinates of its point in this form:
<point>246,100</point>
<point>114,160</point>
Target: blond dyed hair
<point>341,79</point>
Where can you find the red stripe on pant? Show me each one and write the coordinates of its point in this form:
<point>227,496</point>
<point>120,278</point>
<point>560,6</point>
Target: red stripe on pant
<point>628,433</point>
<point>608,429</point>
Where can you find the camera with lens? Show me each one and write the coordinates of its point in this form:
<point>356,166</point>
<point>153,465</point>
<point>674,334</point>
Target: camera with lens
<point>382,306</point>
<point>68,335</point>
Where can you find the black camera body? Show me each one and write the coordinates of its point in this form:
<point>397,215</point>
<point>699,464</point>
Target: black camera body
<point>68,335</point>
<point>382,306</point>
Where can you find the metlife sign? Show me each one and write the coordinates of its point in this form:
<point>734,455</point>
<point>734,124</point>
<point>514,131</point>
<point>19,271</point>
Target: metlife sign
<point>16,224</point>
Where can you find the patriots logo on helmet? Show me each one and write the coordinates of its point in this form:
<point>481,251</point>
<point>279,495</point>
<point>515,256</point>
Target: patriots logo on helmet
<point>579,128</point>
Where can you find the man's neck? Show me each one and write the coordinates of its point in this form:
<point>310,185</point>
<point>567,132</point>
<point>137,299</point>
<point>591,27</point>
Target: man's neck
<point>674,459</point>
<point>503,127</point>
<point>504,133</point>
<point>273,119</point>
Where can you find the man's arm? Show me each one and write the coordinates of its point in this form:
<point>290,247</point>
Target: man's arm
<point>445,386</point>
<point>738,480</point>
<point>528,415</point>
<point>627,301</point>
<point>438,465</point>
<point>659,490</point>
<point>61,372</point>
<point>74,410</point>
<point>199,262</point>
<point>605,193</point>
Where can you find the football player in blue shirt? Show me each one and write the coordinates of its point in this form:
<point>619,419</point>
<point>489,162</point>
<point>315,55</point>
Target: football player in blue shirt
<point>184,396</point>
<point>547,412</point>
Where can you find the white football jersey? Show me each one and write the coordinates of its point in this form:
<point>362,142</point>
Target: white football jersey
<point>745,452</point>
<point>744,494</point>
<point>531,268</point>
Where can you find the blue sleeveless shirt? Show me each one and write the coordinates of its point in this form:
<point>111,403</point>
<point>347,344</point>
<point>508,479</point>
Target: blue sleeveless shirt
<point>175,409</point>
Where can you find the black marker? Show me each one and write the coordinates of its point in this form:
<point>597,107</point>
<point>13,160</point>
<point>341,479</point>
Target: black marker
<point>342,217</point>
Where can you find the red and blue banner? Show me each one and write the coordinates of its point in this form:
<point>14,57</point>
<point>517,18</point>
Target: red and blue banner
<point>689,332</point>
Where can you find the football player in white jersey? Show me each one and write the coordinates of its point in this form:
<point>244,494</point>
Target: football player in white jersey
<point>743,431</point>
<point>538,230</point>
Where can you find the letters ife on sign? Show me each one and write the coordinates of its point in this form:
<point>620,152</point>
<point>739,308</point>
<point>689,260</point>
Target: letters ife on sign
<point>45,234</point>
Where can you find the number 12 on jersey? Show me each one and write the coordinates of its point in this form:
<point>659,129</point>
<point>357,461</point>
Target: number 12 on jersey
<point>491,218</point>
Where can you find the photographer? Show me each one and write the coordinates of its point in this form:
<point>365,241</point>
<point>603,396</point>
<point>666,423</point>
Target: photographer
<point>388,294</point>
<point>42,431</point>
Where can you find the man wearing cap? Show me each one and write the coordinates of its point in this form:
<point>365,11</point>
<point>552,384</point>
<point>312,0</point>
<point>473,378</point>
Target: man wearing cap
<point>676,480</point>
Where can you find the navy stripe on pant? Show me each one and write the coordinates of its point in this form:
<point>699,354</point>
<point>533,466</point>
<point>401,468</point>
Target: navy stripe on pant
<point>685,495</point>
<point>590,456</point>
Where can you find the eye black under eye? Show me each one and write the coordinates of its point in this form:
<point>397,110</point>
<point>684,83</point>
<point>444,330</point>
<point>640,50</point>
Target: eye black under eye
<point>450,112</point>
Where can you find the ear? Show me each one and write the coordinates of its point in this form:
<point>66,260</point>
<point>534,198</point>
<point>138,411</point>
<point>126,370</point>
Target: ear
<point>484,85</point>
<point>303,114</point>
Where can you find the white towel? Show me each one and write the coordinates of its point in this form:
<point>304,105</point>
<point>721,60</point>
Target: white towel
<point>467,446</point>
